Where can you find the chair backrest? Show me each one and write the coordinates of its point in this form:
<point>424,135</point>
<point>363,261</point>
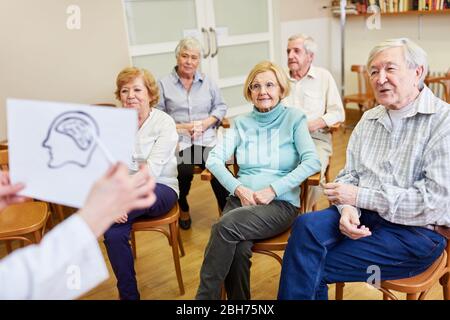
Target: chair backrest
<point>4,159</point>
<point>440,85</point>
<point>364,86</point>
<point>3,144</point>
<point>104,104</point>
<point>311,181</point>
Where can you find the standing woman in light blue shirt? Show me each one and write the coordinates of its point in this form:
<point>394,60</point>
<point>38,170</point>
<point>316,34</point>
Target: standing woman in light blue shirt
<point>275,154</point>
<point>195,103</point>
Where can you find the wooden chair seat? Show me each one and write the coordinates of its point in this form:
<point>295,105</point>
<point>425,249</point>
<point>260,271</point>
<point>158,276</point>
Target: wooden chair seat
<point>279,242</point>
<point>416,287</point>
<point>173,236</point>
<point>165,219</point>
<point>421,282</point>
<point>20,219</point>
<point>269,245</point>
<point>25,222</point>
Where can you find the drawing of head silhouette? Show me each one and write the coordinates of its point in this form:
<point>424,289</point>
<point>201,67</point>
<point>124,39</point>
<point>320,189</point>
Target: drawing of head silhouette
<point>71,138</point>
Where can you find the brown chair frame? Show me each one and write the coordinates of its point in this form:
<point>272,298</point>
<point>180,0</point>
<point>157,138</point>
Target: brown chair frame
<point>365,98</point>
<point>417,287</point>
<point>173,236</point>
<point>25,222</point>
<point>333,129</point>
<point>444,81</point>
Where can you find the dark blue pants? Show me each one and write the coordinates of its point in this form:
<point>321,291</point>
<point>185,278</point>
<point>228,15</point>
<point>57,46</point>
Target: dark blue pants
<point>118,246</point>
<point>318,254</point>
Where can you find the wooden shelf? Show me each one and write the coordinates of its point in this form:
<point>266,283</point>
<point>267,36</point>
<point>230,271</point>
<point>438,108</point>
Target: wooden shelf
<point>404,13</point>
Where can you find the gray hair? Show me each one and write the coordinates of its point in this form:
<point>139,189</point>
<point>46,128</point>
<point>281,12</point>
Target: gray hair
<point>415,56</point>
<point>308,42</point>
<point>188,43</point>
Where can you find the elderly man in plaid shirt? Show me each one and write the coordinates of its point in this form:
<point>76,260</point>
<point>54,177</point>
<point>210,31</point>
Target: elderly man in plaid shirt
<point>392,199</point>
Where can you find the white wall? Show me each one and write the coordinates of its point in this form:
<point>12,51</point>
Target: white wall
<point>431,32</point>
<point>319,29</point>
<point>309,17</point>
<point>41,58</point>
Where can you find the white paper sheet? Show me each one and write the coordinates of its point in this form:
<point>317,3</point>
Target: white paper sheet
<point>59,149</point>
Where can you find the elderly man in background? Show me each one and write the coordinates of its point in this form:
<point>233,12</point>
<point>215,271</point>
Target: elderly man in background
<point>392,204</point>
<point>314,91</point>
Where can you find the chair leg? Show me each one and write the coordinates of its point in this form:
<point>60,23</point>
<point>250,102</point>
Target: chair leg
<point>327,171</point>
<point>346,116</point>
<point>133,244</point>
<point>180,242</point>
<point>223,292</point>
<point>38,236</point>
<point>60,212</point>
<point>411,296</point>
<point>8,247</point>
<point>340,290</point>
<point>176,258</point>
<point>327,175</point>
<point>445,282</point>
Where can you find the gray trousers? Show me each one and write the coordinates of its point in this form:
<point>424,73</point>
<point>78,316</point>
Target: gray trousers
<point>228,252</point>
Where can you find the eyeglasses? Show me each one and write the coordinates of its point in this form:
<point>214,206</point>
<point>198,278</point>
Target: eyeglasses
<point>257,87</point>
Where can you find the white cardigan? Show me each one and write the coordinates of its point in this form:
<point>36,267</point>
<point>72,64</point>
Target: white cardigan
<point>156,141</point>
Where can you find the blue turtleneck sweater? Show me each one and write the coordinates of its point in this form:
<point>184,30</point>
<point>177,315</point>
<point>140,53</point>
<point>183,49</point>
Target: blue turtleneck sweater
<point>272,149</point>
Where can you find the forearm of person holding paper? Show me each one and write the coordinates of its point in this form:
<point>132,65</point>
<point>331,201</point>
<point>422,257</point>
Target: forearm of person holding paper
<point>68,262</point>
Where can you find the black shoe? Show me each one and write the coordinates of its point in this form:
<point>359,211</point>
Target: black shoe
<point>185,224</point>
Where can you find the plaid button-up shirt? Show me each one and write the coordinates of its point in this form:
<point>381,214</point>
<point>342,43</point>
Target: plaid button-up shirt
<point>403,173</point>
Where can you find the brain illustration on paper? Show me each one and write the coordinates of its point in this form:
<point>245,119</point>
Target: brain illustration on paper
<point>71,139</point>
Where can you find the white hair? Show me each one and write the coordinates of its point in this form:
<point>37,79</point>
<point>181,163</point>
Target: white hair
<point>188,43</point>
<point>414,55</point>
<point>308,42</point>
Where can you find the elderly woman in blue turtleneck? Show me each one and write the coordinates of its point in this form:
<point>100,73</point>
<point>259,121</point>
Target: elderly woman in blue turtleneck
<point>275,154</point>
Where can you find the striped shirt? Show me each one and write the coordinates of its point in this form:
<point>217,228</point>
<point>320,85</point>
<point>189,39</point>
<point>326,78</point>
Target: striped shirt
<point>403,171</point>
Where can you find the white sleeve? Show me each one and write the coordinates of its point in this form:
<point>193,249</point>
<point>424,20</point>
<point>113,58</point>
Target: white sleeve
<point>66,264</point>
<point>334,111</point>
<point>165,146</point>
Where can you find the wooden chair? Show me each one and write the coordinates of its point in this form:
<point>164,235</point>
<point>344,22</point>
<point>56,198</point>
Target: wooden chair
<point>25,221</point>
<point>365,98</point>
<point>173,236</point>
<point>225,123</point>
<point>278,243</point>
<point>440,86</point>
<point>270,246</point>
<point>417,287</point>
<point>106,104</point>
<point>333,130</point>
<point>4,145</point>
<point>53,207</point>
